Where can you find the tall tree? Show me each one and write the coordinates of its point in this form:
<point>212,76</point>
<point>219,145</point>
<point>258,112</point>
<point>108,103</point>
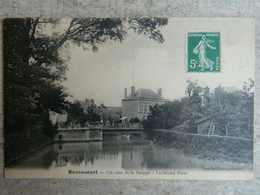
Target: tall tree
<point>165,116</point>
<point>234,112</point>
<point>76,114</point>
<point>29,90</point>
<point>192,109</point>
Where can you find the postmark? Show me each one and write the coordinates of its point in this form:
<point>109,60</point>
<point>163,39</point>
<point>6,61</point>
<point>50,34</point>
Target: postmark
<point>203,52</point>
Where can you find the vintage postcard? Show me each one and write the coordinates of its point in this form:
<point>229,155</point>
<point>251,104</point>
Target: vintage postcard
<point>129,98</point>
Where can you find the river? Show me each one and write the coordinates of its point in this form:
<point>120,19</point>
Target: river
<point>116,153</point>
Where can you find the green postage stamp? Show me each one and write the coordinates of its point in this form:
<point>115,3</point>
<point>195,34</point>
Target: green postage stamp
<point>203,52</point>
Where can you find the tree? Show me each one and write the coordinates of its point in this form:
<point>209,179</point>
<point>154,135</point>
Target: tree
<point>193,107</point>
<point>234,112</point>
<point>179,114</point>
<point>34,65</point>
<point>92,115</point>
<point>244,119</point>
<point>30,91</point>
<point>153,119</point>
<point>88,33</point>
<point>76,114</point>
<point>165,116</point>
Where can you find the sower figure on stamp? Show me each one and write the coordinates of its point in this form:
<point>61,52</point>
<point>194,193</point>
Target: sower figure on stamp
<point>200,49</point>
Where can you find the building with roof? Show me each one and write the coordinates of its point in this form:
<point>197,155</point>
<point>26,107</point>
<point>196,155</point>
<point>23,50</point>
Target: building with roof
<point>106,112</point>
<point>206,125</point>
<point>88,104</point>
<point>57,117</point>
<point>137,103</point>
<point>230,89</point>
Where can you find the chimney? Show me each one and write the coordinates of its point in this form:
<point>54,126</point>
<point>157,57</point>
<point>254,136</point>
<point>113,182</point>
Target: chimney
<point>160,91</point>
<point>125,93</point>
<point>244,88</point>
<point>132,91</point>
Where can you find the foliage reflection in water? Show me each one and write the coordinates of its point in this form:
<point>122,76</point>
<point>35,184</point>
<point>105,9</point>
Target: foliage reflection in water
<point>125,152</point>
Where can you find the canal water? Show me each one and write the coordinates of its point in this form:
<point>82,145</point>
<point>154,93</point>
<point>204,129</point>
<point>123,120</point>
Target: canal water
<point>118,152</point>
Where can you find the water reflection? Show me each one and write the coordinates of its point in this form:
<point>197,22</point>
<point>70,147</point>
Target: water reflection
<point>118,152</point>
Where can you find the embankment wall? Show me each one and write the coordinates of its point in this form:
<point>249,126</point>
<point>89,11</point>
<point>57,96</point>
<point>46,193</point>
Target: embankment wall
<point>206,146</point>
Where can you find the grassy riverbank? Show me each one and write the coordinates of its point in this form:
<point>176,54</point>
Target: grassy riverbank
<point>18,146</point>
<point>229,149</point>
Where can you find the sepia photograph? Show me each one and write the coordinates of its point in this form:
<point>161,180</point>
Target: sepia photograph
<point>129,98</point>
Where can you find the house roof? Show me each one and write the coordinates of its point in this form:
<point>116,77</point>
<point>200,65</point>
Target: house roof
<point>230,89</point>
<point>205,118</point>
<point>123,118</point>
<point>145,94</point>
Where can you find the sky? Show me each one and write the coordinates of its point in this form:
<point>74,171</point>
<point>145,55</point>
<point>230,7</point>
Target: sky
<point>144,63</point>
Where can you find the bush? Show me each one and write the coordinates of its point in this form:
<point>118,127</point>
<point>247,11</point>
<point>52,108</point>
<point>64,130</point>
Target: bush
<point>135,120</point>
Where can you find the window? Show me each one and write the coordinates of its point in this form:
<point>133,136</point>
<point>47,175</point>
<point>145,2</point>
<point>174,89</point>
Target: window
<point>145,108</point>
